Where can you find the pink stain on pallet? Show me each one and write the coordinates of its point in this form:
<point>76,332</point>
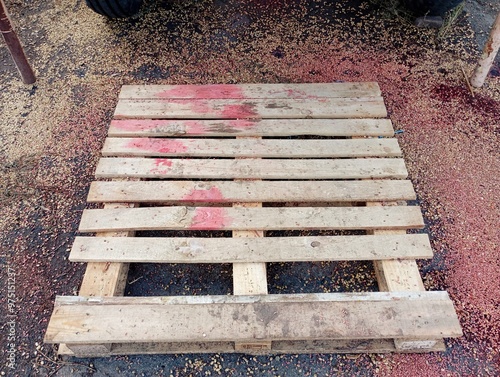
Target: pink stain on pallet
<point>213,195</point>
<point>194,127</point>
<point>203,92</point>
<point>158,145</point>
<point>195,97</point>
<point>209,218</point>
<point>238,111</point>
<point>162,166</point>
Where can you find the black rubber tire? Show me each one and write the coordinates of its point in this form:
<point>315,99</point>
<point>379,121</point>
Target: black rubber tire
<point>115,8</point>
<point>430,7</point>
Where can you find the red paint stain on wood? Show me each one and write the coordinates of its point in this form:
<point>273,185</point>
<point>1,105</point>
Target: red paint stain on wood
<point>238,111</point>
<point>212,194</point>
<point>157,145</point>
<point>194,127</point>
<point>209,218</point>
<point>203,92</point>
<point>162,166</point>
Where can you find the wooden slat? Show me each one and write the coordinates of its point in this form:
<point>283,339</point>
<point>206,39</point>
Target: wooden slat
<point>250,191</point>
<point>241,91</point>
<point>247,169</point>
<point>365,107</point>
<point>246,318</point>
<point>233,250</point>
<point>254,148</point>
<point>227,218</point>
<point>242,127</point>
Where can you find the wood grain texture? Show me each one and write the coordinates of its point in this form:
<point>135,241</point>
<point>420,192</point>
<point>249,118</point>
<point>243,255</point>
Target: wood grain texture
<point>250,191</point>
<point>234,250</point>
<point>251,169</point>
<point>254,148</point>
<point>255,127</point>
<point>326,108</point>
<point>224,218</point>
<point>239,91</point>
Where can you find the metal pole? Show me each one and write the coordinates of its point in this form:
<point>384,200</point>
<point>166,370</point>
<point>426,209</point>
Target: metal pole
<point>14,46</point>
<point>489,52</point>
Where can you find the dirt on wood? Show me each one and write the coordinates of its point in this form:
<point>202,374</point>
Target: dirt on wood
<point>51,135</point>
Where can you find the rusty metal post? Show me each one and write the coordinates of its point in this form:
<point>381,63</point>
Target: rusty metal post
<point>14,46</point>
<point>489,52</point>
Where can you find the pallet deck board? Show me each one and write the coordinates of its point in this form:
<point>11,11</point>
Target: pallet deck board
<point>255,148</point>
<point>325,108</point>
<point>122,167</point>
<point>254,127</point>
<point>246,318</point>
<point>252,174</point>
<point>244,91</point>
<point>250,191</point>
<point>227,218</point>
<point>233,250</point>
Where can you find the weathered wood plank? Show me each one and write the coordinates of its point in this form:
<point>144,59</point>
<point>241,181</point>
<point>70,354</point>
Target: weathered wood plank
<point>233,250</point>
<point>365,107</point>
<point>245,91</point>
<point>256,127</point>
<point>247,318</point>
<point>250,191</point>
<point>251,147</point>
<point>251,169</point>
<point>227,218</point>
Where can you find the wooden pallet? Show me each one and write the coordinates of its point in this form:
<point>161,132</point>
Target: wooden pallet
<point>207,158</point>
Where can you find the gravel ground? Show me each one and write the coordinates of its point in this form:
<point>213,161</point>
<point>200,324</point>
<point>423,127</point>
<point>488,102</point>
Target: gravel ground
<point>51,135</point>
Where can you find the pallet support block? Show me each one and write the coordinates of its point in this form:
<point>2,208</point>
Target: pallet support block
<point>250,159</point>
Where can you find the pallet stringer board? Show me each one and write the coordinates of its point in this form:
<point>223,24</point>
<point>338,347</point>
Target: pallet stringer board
<point>103,279</point>
<point>250,278</point>
<point>400,276</point>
